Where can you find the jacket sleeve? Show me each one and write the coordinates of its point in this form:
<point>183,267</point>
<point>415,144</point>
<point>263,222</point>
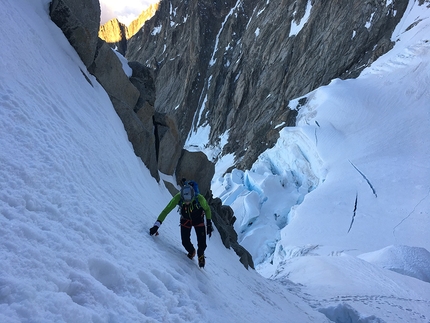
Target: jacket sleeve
<point>169,207</point>
<point>205,206</point>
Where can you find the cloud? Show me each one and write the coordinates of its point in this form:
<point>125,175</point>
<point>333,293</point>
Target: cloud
<point>124,10</point>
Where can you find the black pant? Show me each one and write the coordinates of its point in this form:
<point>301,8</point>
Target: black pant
<point>201,238</point>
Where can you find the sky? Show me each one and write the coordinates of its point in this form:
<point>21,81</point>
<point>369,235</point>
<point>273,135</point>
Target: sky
<point>336,215</point>
<point>124,10</point>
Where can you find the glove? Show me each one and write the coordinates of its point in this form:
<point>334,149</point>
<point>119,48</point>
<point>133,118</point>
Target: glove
<point>154,229</point>
<point>209,227</point>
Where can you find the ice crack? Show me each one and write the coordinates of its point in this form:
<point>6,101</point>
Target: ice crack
<point>354,212</point>
<point>412,212</point>
<point>367,180</point>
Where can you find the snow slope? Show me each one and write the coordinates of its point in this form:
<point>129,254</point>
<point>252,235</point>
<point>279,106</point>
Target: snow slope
<point>76,205</point>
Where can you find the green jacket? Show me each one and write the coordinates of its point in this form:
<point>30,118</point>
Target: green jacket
<point>174,202</point>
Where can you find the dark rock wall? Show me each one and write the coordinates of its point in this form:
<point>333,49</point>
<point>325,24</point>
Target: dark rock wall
<point>236,64</point>
<point>154,135</point>
<point>79,21</point>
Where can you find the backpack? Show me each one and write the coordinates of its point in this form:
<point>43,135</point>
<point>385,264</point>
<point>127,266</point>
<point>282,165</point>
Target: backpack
<point>195,186</point>
<point>189,192</point>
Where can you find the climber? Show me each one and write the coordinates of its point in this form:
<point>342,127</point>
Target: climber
<point>193,208</point>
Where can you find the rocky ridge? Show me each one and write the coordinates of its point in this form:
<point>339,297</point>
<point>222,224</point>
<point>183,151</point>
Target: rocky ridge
<point>116,33</point>
<point>154,135</point>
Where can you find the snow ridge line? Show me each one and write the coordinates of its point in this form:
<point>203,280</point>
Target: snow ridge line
<point>364,176</point>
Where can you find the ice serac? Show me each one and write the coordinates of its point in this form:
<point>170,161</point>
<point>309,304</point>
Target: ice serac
<point>235,65</point>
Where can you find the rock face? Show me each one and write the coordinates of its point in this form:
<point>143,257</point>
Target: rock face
<point>154,135</point>
<point>196,165</point>
<point>168,148</point>
<point>136,24</point>
<point>224,219</point>
<point>79,20</point>
<point>237,64</point>
<point>116,33</point>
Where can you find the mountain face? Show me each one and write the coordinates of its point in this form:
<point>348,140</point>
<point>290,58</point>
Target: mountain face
<point>116,33</point>
<point>235,65</point>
